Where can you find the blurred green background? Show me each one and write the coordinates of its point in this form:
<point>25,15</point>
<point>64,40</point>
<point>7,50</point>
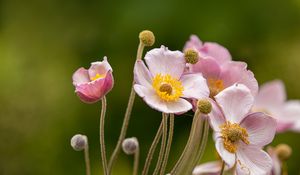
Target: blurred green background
<point>42,42</point>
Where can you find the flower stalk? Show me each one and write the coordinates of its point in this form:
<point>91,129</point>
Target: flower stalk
<point>136,161</point>
<point>87,159</point>
<point>102,142</point>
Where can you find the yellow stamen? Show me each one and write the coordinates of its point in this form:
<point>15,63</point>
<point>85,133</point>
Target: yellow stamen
<point>215,86</point>
<point>167,87</point>
<point>97,76</point>
<point>231,134</point>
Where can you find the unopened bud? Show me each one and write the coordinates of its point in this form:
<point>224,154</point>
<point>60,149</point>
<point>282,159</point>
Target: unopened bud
<point>191,56</point>
<point>147,37</point>
<point>79,142</point>
<point>204,106</point>
<point>130,145</point>
<point>283,151</point>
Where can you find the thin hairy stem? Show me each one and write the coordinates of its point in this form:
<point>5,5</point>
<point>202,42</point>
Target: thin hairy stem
<point>223,167</point>
<point>87,159</point>
<point>152,149</point>
<point>136,161</point>
<point>170,138</point>
<point>102,142</point>
<point>122,136</point>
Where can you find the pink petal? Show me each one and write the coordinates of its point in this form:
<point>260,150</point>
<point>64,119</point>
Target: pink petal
<point>99,67</point>
<point>236,72</point>
<point>215,50</point>
<point>193,43</point>
<point>141,74</point>
<point>194,86</point>
<point>235,102</point>
<point>208,67</point>
<point>80,76</point>
<point>261,128</point>
<point>253,160</point>
<point>292,114</point>
<point>210,168</point>
<point>228,157</point>
<point>216,117</point>
<point>163,61</point>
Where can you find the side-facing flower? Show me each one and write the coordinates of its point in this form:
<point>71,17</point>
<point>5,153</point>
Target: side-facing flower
<point>162,84</point>
<point>271,99</point>
<point>92,84</point>
<point>240,135</point>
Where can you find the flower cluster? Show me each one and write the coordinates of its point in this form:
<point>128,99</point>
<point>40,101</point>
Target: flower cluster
<point>224,94</point>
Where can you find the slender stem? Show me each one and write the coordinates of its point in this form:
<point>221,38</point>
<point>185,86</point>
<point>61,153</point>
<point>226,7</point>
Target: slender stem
<point>122,136</point>
<point>136,161</point>
<point>102,142</point>
<point>284,169</point>
<point>87,159</point>
<point>152,149</point>
<point>170,138</point>
<point>163,144</point>
<point>222,169</point>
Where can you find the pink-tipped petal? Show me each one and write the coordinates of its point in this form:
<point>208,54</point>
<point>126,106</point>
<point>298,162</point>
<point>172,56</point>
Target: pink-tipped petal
<point>108,83</point>
<point>208,67</point>
<point>215,50</point>
<point>209,168</point>
<point>261,128</point>
<point>229,158</point>
<point>163,61</point>
<point>236,72</point>
<point>216,117</point>
<point>80,76</point>
<point>194,86</point>
<point>235,102</point>
<point>193,43</point>
<point>253,160</point>
<point>141,74</point>
<point>99,67</point>
<point>90,92</point>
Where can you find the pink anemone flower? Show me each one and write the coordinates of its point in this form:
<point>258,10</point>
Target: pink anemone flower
<point>162,84</point>
<point>92,84</point>
<point>271,99</point>
<point>239,134</point>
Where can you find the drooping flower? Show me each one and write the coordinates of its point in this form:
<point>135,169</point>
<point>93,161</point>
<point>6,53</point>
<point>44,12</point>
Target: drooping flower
<point>239,134</point>
<point>162,84</point>
<point>209,168</point>
<point>272,100</point>
<point>92,84</point>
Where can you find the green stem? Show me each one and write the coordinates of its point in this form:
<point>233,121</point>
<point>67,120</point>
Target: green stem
<point>136,161</point>
<point>170,138</point>
<point>222,169</point>
<point>87,158</point>
<point>163,144</point>
<point>152,149</point>
<point>102,143</point>
<point>122,136</point>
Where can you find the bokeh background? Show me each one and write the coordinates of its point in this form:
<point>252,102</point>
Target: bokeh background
<point>42,42</point>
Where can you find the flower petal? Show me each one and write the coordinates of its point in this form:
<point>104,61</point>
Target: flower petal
<point>216,117</point>
<point>208,67</point>
<point>236,72</point>
<point>90,92</point>
<point>80,76</point>
<point>228,157</point>
<point>194,86</point>
<point>141,74</point>
<point>215,50</point>
<point>193,43</point>
<point>163,61</point>
<point>253,160</point>
<point>292,114</point>
<point>261,128</point>
<point>99,67</point>
<point>235,102</point>
<point>209,168</point>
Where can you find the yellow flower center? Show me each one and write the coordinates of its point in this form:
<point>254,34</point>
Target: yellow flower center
<point>167,87</point>
<point>215,86</point>
<point>97,76</point>
<point>231,134</point>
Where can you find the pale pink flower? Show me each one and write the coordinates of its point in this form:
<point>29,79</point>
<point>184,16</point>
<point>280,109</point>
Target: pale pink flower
<point>272,100</point>
<point>240,135</point>
<point>162,84</point>
<point>209,168</point>
<point>92,84</point>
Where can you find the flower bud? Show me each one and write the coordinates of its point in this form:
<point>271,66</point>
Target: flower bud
<point>79,142</point>
<point>130,145</point>
<point>147,37</point>
<point>283,151</point>
<point>204,106</point>
<point>191,56</point>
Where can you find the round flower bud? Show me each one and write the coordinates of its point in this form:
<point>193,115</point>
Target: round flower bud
<point>130,145</point>
<point>79,142</point>
<point>283,151</point>
<point>191,56</point>
<point>204,106</point>
<point>147,37</point>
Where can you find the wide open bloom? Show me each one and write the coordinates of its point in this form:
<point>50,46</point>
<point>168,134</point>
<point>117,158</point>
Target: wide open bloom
<point>162,84</point>
<point>240,135</point>
<point>272,100</point>
<point>92,84</point>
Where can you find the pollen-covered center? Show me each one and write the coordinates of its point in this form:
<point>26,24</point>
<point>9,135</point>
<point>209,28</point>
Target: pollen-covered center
<point>97,76</point>
<point>167,87</point>
<point>232,133</point>
<point>215,86</point>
